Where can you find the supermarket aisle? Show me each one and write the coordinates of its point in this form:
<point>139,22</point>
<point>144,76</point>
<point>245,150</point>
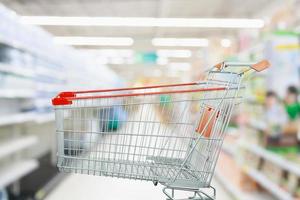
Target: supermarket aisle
<point>84,187</point>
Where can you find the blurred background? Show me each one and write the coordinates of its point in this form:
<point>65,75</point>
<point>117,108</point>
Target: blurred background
<point>48,46</point>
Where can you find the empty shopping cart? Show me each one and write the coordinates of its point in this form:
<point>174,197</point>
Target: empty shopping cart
<point>167,134</point>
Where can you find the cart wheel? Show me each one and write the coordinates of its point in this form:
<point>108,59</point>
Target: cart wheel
<point>155,183</point>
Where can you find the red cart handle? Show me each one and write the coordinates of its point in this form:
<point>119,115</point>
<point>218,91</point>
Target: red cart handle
<point>66,98</point>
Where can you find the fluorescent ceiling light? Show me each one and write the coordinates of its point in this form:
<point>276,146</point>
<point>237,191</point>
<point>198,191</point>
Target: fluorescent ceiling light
<point>95,41</point>
<point>225,43</point>
<point>174,53</point>
<point>180,42</point>
<point>144,22</point>
<point>110,52</point>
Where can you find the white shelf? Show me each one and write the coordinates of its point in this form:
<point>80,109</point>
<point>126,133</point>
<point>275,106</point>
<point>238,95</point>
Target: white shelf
<point>41,70</point>
<point>272,157</point>
<point>44,118</point>
<point>17,93</point>
<point>17,118</point>
<point>18,45</point>
<point>20,71</point>
<point>16,171</point>
<point>239,194</point>
<point>277,191</point>
<point>26,117</point>
<point>232,189</point>
<point>16,145</point>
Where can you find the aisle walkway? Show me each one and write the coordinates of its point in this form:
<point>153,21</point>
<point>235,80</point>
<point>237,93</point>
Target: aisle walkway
<point>84,187</point>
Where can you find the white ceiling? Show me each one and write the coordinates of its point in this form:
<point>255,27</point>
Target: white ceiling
<point>139,8</point>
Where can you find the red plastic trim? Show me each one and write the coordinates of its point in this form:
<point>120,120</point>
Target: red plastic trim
<point>57,101</point>
<point>147,93</point>
<point>67,94</point>
<point>63,98</point>
<point>135,88</point>
<point>66,98</point>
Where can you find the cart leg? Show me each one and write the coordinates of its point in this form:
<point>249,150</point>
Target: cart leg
<point>194,196</point>
<point>167,194</point>
<point>198,194</point>
<point>173,193</point>
<point>155,183</point>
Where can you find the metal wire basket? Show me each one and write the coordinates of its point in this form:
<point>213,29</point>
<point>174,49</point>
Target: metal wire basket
<point>168,134</point>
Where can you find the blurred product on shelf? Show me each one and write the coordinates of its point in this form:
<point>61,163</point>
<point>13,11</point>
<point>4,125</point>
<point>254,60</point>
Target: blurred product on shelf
<point>271,171</point>
<point>292,105</point>
<point>116,116</point>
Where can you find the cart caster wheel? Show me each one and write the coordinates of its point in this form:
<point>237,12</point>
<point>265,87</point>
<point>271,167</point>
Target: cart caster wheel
<point>155,183</point>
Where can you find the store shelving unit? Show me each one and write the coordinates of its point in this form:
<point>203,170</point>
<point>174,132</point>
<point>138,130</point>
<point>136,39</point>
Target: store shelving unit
<point>15,171</point>
<point>32,71</point>
<point>16,70</point>
<point>272,157</point>
<point>273,188</point>
<point>256,175</point>
<point>231,188</point>
<point>13,146</point>
<point>19,118</point>
<point>238,194</point>
<point>17,93</point>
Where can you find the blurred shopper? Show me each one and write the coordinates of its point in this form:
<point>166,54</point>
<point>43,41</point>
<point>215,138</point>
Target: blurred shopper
<point>275,115</point>
<point>292,105</point>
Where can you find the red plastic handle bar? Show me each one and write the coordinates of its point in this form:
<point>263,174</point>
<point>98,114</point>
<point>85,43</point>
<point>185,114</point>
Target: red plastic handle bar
<point>66,98</point>
<point>135,88</point>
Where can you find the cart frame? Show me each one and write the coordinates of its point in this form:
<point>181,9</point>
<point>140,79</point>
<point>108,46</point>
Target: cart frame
<point>168,134</point>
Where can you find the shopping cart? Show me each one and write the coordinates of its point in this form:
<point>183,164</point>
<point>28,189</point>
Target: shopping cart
<point>167,134</point>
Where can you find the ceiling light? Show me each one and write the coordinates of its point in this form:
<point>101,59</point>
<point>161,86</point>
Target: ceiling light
<point>225,43</point>
<point>110,52</point>
<point>144,22</point>
<point>95,41</point>
<point>174,53</point>
<point>181,42</point>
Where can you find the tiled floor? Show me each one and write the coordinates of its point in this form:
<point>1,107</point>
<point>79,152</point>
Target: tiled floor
<point>84,187</point>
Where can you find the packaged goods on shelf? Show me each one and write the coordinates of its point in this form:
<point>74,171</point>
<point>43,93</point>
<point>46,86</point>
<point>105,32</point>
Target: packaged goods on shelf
<point>251,160</point>
<point>292,183</point>
<point>272,171</point>
<point>33,69</point>
<point>235,175</point>
<point>36,63</point>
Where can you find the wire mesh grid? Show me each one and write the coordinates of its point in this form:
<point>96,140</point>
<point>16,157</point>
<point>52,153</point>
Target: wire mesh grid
<point>172,138</point>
